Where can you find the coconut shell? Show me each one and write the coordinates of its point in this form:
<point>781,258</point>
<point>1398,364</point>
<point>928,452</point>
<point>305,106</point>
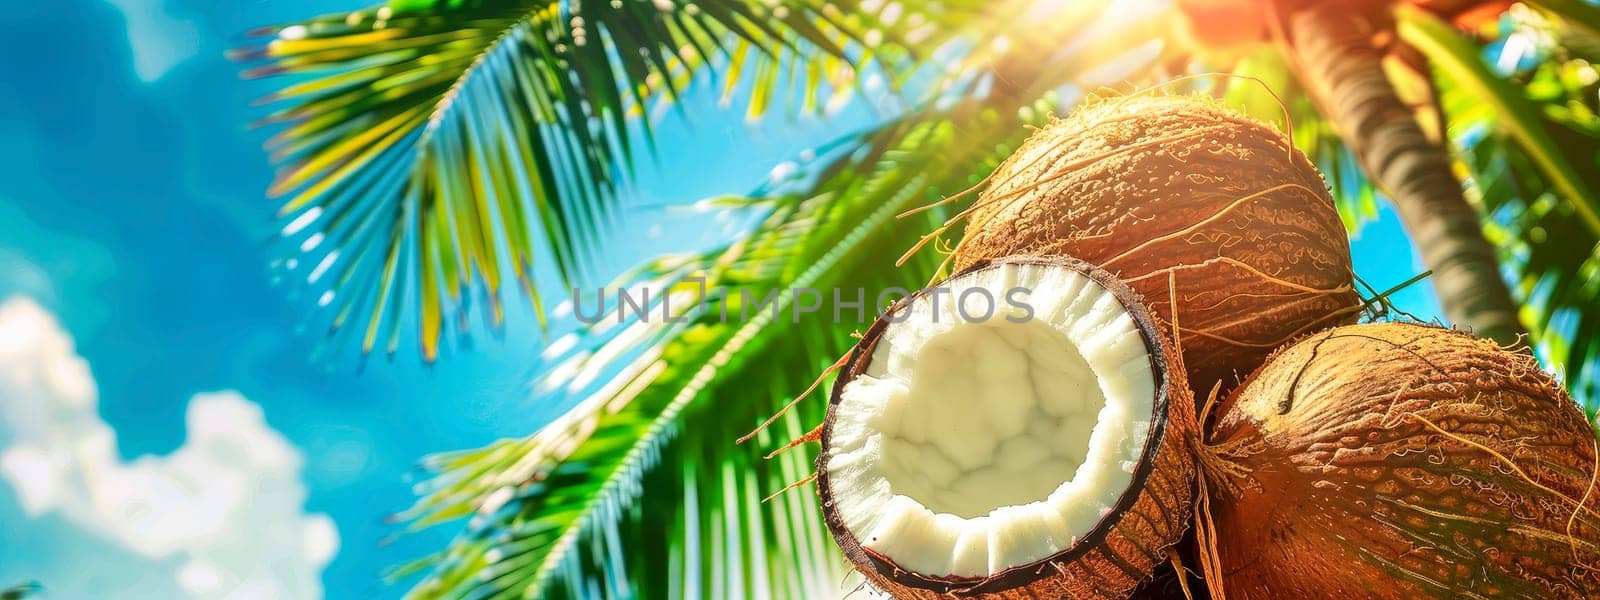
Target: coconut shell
<point>1403,461</point>
<point>1180,193</point>
<point>1124,549</point>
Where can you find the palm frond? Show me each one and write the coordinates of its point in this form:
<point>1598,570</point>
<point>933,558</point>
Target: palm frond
<point>435,149</point>
<point>20,591</point>
<point>1576,14</point>
<point>1516,134</point>
<point>1518,117</point>
<point>689,391</point>
<point>547,513</point>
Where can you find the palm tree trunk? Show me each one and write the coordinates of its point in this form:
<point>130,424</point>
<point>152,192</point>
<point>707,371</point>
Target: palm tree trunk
<point>1341,65</point>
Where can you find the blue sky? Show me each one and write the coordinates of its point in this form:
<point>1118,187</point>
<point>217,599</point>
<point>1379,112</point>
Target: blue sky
<point>134,235</point>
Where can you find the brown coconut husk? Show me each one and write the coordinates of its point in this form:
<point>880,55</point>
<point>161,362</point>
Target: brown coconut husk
<point>1395,460</point>
<point>1149,187</point>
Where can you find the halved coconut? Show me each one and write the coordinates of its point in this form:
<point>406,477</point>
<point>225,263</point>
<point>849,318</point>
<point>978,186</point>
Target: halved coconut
<point>1019,430</point>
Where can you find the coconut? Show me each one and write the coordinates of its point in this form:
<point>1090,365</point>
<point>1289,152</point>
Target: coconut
<point>1020,430</point>
<point>1191,204</point>
<point>1402,461</point>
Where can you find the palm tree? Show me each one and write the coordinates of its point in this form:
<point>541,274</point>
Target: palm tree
<point>434,148</point>
<point>1394,80</point>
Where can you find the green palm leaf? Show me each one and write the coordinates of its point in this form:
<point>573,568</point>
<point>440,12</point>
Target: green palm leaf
<point>435,149</point>
<point>1517,135</point>
<point>548,513</point>
<point>1579,14</point>
<point>564,487</point>
<point>1459,59</point>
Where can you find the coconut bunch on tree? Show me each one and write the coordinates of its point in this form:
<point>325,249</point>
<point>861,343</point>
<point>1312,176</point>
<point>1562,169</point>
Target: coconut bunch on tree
<point>438,154</point>
<point>1028,427</point>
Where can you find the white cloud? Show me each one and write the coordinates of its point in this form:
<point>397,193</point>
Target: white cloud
<point>227,505</point>
<point>159,40</point>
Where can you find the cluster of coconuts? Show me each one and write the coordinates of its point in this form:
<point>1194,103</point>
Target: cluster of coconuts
<point>1188,358</point>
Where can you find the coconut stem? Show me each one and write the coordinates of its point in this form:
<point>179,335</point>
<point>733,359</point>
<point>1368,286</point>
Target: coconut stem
<point>1594,476</point>
<point>1223,464</point>
<point>1382,298</point>
<point>1212,401</point>
<point>1182,572</point>
<point>1205,535</point>
<point>814,435</point>
<point>1212,465</point>
<point>1217,464</point>
<point>948,199</point>
<point>838,364</point>
<point>803,481</point>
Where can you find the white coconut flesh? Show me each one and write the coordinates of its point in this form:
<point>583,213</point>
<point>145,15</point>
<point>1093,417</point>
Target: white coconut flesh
<point>967,447</point>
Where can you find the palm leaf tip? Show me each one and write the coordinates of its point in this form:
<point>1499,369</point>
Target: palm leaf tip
<point>21,591</point>
<point>450,144</point>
